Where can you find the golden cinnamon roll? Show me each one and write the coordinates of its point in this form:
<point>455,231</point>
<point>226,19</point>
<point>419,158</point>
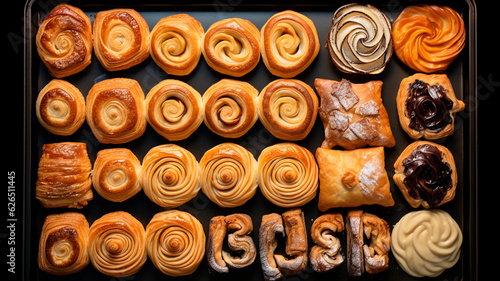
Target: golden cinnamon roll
<point>325,255</point>
<point>232,46</point>
<point>288,108</point>
<point>60,108</point>
<point>428,38</point>
<point>174,109</point>
<point>115,110</point>
<point>175,242</point>
<point>120,38</point>
<point>228,175</point>
<point>116,174</point>
<point>117,244</point>
<point>288,175</point>
<point>170,175</point>
<point>175,44</point>
<point>230,108</point>
<point>64,176</point>
<point>289,43</point>
<point>64,41</point>
<point>63,244</point>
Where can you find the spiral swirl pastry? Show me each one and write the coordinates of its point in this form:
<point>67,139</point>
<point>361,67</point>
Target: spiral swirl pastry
<point>175,242</point>
<point>228,175</point>
<point>426,242</point>
<point>230,108</point>
<point>325,255</point>
<point>288,108</point>
<point>116,174</point>
<point>117,245</point>
<point>289,43</point>
<point>115,110</point>
<point>175,44</point>
<point>288,175</point>
<point>360,39</point>
<point>428,38</point>
<point>60,108</point>
<point>64,41</point>
<point>170,175</point>
<point>232,46</point>
<point>174,109</point>
<point>63,244</point>
<point>120,38</point>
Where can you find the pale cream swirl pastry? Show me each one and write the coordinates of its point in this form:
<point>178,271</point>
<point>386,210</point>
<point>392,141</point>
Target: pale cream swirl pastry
<point>426,242</point>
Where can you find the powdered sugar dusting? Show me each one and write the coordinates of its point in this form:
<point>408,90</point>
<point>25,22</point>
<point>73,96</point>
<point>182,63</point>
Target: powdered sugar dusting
<point>368,178</point>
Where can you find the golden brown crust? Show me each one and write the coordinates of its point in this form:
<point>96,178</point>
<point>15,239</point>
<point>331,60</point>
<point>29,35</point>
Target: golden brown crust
<point>376,255</point>
<point>296,243</point>
<point>270,227</point>
<point>354,227</point>
<point>325,255</point>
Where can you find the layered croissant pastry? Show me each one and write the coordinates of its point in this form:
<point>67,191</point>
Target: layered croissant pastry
<point>64,176</point>
<point>63,244</point>
<point>64,41</point>
<point>120,38</point>
<point>325,255</point>
<point>60,107</point>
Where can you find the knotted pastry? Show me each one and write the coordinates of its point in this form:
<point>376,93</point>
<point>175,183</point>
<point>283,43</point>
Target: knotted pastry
<point>175,44</point>
<point>232,46</point>
<point>428,38</point>
<point>325,255</point>
<point>117,244</point>
<point>289,43</point>
<point>238,227</point>
<point>63,244</point>
<point>427,106</point>
<point>288,175</point>
<point>288,108</point>
<point>174,109</point>
<point>116,174</point>
<point>170,175</point>
<point>360,39</point>
<point>353,114</point>
<point>115,110</point>
<point>425,173</point>
<point>228,175</point>
<point>175,242</point>
<point>230,108</point>
<point>64,41</point>
<point>64,176</point>
<point>60,108</point>
<point>120,38</point>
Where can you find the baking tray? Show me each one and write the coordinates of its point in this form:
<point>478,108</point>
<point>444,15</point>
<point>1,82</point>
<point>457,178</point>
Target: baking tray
<point>462,73</point>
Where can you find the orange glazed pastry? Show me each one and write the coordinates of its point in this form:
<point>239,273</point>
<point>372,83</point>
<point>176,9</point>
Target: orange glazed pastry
<point>428,38</point>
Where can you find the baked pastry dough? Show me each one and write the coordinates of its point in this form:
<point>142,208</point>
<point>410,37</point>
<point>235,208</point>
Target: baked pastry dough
<point>271,226</point>
<point>288,109</point>
<point>232,46</point>
<point>170,175</point>
<point>230,108</point>
<point>60,108</point>
<point>116,174</point>
<point>115,110</point>
<point>64,176</point>
<point>174,109</point>
<point>175,242</point>
<point>353,114</point>
<point>428,38</point>
<point>352,178</point>
<point>117,244</point>
<point>63,244</point>
<point>121,38</point>
<point>427,106</point>
<point>325,255</point>
<point>228,175</point>
<point>288,175</point>
<point>64,41</point>
<point>354,227</point>
<point>289,43</point>
<point>425,173</point>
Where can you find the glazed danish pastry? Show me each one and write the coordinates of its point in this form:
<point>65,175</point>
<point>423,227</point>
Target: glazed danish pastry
<point>120,38</point>
<point>325,255</point>
<point>175,242</point>
<point>289,43</point>
<point>115,110</point>
<point>60,107</point>
<point>64,41</point>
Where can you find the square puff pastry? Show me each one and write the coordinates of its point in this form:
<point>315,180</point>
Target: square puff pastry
<point>352,178</point>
